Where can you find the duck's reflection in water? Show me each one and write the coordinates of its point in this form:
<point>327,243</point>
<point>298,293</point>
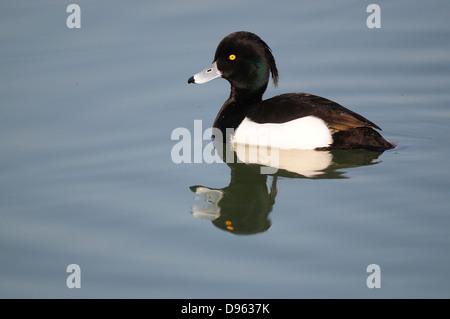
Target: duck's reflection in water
<point>243,207</point>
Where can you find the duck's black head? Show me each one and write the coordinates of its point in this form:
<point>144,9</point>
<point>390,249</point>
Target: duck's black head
<point>244,60</point>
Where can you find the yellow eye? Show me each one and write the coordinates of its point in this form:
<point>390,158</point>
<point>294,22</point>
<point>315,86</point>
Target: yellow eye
<point>229,227</point>
<point>232,57</point>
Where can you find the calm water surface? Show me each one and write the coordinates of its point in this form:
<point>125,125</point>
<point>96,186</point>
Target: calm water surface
<point>87,178</point>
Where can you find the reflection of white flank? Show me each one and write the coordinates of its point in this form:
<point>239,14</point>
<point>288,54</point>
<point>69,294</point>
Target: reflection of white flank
<point>305,133</point>
<point>212,196</point>
<point>308,163</point>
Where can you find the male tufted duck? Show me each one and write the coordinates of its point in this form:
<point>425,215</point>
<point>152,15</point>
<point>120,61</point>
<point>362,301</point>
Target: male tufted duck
<point>286,121</point>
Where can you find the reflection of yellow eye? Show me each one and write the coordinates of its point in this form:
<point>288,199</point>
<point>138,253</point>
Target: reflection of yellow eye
<point>232,57</point>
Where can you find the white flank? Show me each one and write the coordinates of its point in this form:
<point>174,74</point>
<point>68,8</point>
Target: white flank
<point>304,133</point>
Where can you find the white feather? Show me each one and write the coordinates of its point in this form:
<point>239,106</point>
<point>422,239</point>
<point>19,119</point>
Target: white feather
<point>305,133</point>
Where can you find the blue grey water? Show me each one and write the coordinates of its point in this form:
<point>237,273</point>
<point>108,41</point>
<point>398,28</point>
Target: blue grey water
<point>87,177</point>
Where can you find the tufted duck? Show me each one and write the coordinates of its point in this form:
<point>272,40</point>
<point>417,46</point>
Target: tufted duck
<point>286,121</point>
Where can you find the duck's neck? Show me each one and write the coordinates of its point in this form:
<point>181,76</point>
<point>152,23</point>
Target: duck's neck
<point>235,109</point>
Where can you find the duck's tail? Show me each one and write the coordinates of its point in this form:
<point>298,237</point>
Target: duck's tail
<point>360,137</point>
